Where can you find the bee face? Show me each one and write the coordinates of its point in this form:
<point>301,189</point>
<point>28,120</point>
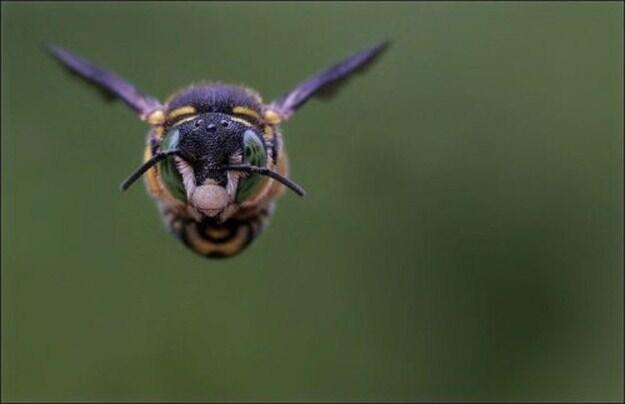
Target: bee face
<point>215,162</point>
<point>207,144</point>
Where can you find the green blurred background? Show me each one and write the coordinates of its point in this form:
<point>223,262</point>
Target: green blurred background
<point>462,236</point>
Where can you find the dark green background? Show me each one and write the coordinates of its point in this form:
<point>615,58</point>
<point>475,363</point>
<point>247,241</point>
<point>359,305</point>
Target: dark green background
<point>462,236</point>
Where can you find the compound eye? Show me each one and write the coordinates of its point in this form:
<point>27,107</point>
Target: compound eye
<point>253,154</point>
<point>253,149</point>
<point>171,140</point>
<point>167,168</point>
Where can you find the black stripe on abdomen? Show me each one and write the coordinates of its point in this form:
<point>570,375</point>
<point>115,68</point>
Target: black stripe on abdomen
<point>217,240</point>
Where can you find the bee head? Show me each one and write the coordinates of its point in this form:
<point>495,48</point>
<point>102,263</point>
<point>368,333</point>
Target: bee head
<point>211,161</point>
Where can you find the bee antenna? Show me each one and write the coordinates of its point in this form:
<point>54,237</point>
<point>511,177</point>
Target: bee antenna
<point>146,166</point>
<point>269,173</point>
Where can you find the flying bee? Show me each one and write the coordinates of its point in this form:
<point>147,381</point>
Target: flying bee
<point>214,159</point>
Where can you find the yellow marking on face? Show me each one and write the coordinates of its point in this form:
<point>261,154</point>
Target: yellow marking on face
<point>282,166</point>
<point>186,110</point>
<point>240,120</point>
<point>183,120</point>
<point>246,111</point>
<point>268,135</point>
<point>272,117</point>
<point>159,131</point>
<point>150,176</point>
<point>156,117</point>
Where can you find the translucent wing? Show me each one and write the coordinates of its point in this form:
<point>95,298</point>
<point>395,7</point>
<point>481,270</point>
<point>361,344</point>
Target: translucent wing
<point>109,82</point>
<point>325,83</point>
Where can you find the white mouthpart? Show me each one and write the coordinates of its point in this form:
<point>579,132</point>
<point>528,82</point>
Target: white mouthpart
<point>209,198</point>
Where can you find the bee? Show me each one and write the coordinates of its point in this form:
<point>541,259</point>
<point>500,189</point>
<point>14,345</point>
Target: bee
<point>214,159</point>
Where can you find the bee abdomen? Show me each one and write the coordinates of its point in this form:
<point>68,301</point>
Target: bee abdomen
<point>218,240</point>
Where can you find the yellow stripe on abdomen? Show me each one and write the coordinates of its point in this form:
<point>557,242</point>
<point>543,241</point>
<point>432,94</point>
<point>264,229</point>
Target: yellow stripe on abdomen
<point>218,240</point>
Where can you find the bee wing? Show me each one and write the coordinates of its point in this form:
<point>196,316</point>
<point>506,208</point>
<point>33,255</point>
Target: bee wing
<point>326,83</point>
<point>110,83</point>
